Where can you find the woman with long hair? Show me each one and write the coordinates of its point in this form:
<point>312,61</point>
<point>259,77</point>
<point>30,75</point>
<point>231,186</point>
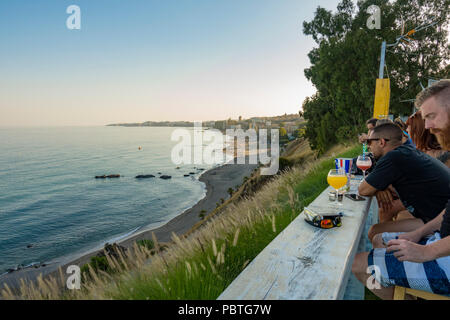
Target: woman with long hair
<point>424,140</point>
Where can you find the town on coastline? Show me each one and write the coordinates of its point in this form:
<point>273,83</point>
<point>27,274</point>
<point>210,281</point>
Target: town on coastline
<point>291,126</point>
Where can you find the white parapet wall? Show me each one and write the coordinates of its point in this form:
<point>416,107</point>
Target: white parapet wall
<point>304,262</point>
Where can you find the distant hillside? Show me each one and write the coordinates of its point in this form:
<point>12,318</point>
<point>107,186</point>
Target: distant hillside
<point>155,124</point>
<point>297,149</point>
<point>290,122</point>
<point>285,117</point>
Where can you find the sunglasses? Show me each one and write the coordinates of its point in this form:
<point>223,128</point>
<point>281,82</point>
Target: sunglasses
<point>323,222</point>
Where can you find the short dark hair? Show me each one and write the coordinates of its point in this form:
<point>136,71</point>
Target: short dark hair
<point>383,121</point>
<point>440,90</point>
<point>389,131</point>
<point>372,121</point>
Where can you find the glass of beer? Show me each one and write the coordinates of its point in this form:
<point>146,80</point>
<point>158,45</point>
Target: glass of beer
<point>337,179</point>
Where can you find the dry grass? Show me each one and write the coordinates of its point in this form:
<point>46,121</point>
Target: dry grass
<point>198,266</point>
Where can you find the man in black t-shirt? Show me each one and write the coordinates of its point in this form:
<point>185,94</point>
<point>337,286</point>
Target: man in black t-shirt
<point>419,259</point>
<point>421,182</point>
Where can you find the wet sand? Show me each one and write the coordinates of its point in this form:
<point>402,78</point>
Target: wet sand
<point>217,181</point>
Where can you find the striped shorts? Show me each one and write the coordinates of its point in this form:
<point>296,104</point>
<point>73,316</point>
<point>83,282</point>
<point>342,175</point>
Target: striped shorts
<point>432,276</point>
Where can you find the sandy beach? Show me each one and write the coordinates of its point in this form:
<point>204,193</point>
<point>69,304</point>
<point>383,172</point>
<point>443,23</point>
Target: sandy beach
<point>217,180</point>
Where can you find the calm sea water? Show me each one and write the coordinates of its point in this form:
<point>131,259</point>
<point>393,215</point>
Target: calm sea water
<point>50,199</point>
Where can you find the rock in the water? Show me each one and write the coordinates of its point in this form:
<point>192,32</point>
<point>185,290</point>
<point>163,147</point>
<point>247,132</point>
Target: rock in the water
<point>165,176</point>
<point>191,172</point>
<point>187,175</point>
<point>145,176</point>
<point>108,176</point>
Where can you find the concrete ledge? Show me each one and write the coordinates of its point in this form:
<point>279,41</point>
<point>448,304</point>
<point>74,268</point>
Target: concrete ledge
<point>304,262</point>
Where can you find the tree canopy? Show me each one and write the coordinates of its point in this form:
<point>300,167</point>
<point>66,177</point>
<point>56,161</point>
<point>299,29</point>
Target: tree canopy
<point>345,63</point>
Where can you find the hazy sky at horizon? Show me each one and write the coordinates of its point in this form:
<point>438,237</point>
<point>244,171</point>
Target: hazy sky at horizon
<point>136,60</point>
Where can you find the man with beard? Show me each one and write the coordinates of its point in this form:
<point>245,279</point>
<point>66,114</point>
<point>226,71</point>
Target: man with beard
<point>419,259</point>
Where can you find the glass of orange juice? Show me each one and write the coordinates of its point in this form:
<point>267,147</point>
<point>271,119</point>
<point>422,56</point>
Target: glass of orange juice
<point>337,179</point>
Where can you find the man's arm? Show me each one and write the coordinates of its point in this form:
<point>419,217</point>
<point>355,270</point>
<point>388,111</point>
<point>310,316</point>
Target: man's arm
<point>384,199</point>
<point>366,189</point>
<point>425,230</point>
<point>432,225</point>
<point>405,250</point>
<point>440,248</point>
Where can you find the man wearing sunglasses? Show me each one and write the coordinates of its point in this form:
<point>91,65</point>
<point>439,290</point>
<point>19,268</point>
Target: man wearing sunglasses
<point>419,259</point>
<point>422,182</point>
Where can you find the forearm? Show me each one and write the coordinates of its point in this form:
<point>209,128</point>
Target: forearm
<point>366,189</point>
<point>431,226</point>
<point>439,248</point>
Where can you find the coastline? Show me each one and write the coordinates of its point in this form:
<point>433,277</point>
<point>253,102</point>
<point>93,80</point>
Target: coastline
<point>217,181</point>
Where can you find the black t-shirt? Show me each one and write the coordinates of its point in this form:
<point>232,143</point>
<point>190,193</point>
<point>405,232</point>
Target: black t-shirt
<point>422,182</point>
<point>445,227</point>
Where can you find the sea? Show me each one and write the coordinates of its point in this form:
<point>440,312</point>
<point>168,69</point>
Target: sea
<point>52,206</point>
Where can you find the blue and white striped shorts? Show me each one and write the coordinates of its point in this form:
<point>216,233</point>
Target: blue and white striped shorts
<point>432,276</point>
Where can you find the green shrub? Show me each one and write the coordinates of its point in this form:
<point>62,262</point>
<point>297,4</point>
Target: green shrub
<point>146,243</point>
<point>284,163</point>
<point>96,263</point>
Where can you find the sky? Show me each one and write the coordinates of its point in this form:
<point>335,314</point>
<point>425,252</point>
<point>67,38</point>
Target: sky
<point>152,60</point>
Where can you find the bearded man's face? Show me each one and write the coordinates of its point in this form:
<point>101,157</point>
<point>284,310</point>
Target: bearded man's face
<point>437,119</point>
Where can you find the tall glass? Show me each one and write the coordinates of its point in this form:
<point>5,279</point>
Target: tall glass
<point>364,163</point>
<point>337,179</point>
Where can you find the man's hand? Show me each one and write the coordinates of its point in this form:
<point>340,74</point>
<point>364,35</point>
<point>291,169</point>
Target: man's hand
<point>363,137</point>
<point>405,250</point>
<point>412,236</point>
<point>384,199</point>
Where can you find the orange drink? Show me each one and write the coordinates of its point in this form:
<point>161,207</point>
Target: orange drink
<point>337,181</point>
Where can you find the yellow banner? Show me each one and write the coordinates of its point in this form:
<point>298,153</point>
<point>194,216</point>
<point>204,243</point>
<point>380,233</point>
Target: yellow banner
<point>382,95</point>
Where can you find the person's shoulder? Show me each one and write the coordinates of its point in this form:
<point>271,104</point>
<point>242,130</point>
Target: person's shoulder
<point>404,150</point>
<point>401,151</point>
<point>400,156</point>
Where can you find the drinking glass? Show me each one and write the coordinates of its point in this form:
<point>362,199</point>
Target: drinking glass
<point>337,179</point>
<point>364,163</point>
